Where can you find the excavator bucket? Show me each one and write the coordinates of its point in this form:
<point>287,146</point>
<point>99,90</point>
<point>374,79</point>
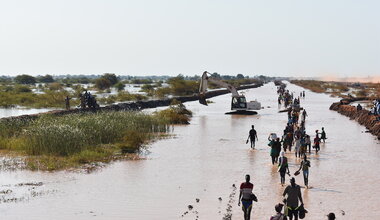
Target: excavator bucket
<point>202,99</point>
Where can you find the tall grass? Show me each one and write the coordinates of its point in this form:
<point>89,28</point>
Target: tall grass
<point>313,85</point>
<point>29,99</point>
<point>70,134</point>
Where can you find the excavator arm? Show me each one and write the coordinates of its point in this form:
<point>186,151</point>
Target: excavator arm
<point>204,84</point>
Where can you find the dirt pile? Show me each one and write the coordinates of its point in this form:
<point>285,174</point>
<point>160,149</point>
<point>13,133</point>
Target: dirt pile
<point>362,116</point>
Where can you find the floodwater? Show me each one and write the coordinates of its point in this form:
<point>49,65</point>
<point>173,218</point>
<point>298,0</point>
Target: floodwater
<point>9,112</point>
<point>203,161</point>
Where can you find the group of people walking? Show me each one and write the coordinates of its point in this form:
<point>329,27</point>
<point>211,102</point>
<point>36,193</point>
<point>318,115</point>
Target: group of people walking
<point>294,135</point>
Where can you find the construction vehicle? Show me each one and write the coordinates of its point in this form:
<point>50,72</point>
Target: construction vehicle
<point>239,103</point>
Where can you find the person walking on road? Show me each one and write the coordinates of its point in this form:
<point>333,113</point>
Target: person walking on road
<point>283,167</point>
<point>293,193</point>
<point>252,136</point>
<point>246,197</point>
<point>305,164</point>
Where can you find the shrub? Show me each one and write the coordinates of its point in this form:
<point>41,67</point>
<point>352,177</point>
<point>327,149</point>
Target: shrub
<point>55,86</point>
<point>22,89</point>
<point>102,83</point>
<point>176,113</point>
<point>132,141</point>
<point>119,86</point>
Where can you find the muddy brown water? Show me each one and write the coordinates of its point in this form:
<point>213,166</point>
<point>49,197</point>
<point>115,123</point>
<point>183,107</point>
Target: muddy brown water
<point>203,161</point>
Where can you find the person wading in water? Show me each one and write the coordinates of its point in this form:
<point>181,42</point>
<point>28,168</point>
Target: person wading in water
<point>305,164</point>
<point>246,197</point>
<point>323,135</point>
<point>283,167</point>
<point>276,149</point>
<point>253,137</point>
<point>293,193</point>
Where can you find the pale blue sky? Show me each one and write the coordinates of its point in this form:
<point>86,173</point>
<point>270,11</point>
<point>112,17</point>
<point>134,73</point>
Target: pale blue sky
<point>147,37</point>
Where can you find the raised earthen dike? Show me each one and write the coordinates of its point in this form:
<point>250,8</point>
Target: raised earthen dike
<point>362,116</point>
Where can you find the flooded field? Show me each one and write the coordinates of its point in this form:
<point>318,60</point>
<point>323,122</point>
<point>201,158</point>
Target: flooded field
<point>201,165</point>
<point>9,112</point>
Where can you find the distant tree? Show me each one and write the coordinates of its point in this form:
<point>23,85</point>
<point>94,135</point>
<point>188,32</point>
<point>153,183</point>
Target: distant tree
<point>240,76</point>
<point>141,81</point>
<point>46,79</point>
<point>102,83</point>
<point>111,77</point>
<point>5,79</point>
<point>25,79</point>
<point>227,77</point>
<point>179,86</point>
<point>216,75</point>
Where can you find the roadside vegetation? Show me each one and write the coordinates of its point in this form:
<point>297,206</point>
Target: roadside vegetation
<point>341,89</point>
<point>58,142</point>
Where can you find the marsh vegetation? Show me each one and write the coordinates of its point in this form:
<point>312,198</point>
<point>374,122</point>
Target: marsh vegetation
<point>55,142</point>
<point>342,89</point>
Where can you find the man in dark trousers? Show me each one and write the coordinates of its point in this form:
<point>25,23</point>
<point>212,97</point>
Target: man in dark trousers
<point>293,193</point>
<point>253,137</point>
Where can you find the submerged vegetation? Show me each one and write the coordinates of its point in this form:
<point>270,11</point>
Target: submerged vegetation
<point>341,89</point>
<point>56,142</point>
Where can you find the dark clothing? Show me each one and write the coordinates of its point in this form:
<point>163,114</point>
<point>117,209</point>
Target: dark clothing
<point>292,211</point>
<point>294,193</point>
<point>252,135</point>
<point>305,168</point>
<point>283,164</point>
<point>305,165</point>
<point>276,148</point>
<point>282,167</point>
<point>323,135</point>
<point>67,102</point>
<point>316,144</point>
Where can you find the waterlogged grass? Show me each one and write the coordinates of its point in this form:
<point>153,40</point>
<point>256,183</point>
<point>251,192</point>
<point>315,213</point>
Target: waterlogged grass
<point>333,88</point>
<point>57,142</point>
<point>176,114</point>
<point>29,99</point>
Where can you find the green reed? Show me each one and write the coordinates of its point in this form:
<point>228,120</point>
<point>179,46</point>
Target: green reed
<point>70,134</point>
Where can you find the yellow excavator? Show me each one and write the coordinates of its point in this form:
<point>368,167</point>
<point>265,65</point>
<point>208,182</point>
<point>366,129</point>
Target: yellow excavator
<point>238,103</point>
